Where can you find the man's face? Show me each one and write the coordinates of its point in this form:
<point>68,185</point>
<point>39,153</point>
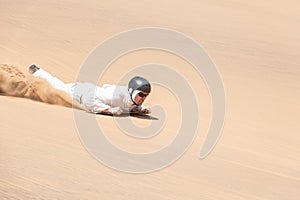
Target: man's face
<point>140,98</point>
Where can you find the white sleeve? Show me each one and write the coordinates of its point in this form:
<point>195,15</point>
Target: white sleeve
<point>99,106</point>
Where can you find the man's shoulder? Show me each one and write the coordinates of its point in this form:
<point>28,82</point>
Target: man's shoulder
<point>108,86</point>
<point>115,90</point>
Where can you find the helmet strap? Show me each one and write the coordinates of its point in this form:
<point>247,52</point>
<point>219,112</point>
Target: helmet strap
<point>130,90</point>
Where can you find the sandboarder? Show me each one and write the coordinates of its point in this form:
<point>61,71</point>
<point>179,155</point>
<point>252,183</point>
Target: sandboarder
<point>108,99</point>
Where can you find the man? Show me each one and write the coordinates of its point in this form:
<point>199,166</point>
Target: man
<point>108,99</point>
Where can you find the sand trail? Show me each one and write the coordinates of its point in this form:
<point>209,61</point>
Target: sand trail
<point>14,82</point>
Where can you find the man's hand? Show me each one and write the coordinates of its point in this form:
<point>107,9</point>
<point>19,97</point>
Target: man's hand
<point>115,111</point>
<point>146,110</point>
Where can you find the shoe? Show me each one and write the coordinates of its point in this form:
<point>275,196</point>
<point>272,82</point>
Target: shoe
<point>33,69</point>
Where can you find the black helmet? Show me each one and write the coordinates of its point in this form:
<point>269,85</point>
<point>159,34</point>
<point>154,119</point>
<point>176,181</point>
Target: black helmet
<point>139,83</point>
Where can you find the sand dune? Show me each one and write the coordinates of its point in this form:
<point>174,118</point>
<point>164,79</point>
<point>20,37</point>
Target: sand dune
<point>256,47</point>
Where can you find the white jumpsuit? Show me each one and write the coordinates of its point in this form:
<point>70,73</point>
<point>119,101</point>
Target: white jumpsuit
<point>96,99</point>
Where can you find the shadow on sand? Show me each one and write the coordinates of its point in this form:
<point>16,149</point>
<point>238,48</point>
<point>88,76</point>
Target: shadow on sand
<point>137,115</point>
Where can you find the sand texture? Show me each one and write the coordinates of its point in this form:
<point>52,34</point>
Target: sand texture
<point>254,44</point>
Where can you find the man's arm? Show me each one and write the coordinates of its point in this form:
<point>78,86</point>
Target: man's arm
<point>113,111</point>
<point>100,107</point>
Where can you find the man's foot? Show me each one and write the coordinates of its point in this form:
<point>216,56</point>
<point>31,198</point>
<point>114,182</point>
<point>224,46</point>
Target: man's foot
<point>33,69</point>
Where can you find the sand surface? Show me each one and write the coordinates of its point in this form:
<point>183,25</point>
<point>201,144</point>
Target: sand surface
<point>256,46</point>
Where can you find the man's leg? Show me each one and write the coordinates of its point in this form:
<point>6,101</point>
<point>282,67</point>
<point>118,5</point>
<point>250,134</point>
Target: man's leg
<point>54,82</point>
